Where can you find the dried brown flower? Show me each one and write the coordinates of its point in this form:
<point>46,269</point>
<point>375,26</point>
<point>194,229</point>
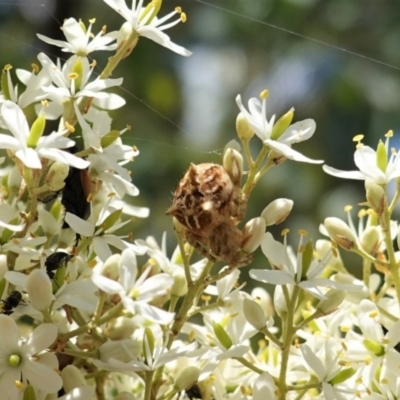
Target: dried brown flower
<point>209,206</point>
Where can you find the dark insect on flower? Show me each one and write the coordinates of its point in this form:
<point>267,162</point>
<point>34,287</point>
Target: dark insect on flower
<point>75,193</point>
<point>12,301</point>
<point>194,393</point>
<point>55,261</point>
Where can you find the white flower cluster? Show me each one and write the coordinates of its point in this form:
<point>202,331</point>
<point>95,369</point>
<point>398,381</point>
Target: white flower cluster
<point>89,314</point>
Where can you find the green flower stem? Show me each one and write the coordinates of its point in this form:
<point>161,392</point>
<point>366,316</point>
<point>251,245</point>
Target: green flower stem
<point>312,317</point>
<point>272,337</point>
<point>393,267</point>
<point>249,365</point>
<point>211,306</point>
<point>100,387</point>
<point>368,257</point>
<point>387,314</point>
<point>251,177</point>
<point>148,386</point>
<point>366,272</point>
<point>82,354</point>
<point>288,333</point>
<point>383,290</point>
<point>173,302</point>
<point>306,386</point>
<point>182,316</point>
<point>247,153</point>
<point>64,337</point>
<point>185,258</point>
<point>114,312</point>
<point>99,308</point>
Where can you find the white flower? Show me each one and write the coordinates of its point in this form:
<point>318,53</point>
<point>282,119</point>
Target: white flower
<point>19,356</point>
<point>78,40</point>
<point>46,147</point>
<point>289,268</point>
<point>365,159</point>
<point>102,231</point>
<point>146,24</point>
<point>326,366</point>
<point>64,86</point>
<point>136,294</point>
<point>297,132</point>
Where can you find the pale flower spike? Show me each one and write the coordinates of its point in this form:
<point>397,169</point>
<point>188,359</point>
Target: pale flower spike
<point>90,309</point>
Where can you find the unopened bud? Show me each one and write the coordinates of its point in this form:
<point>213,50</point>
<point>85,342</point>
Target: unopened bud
<point>222,335</point>
<point>72,378</point>
<point>374,347</point>
<point>254,314</point>
<point>55,178</point>
<point>110,268</point>
<point>342,376</point>
<point>333,299</point>
<point>233,164</point>
<point>340,232</point>
<point>263,298</point>
<point>187,378</point>
<point>282,124</point>
<point>277,211</point>
<point>39,289</point>
<point>179,287</point>
<point>252,234</point>
<point>371,240</point>
<point>243,129</point>
<point>381,156</point>
<point>280,301</point>
<point>36,131</point>
<point>120,328</point>
<point>376,197</point>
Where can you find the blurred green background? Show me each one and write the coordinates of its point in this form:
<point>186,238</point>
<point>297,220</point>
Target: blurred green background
<point>183,110</point>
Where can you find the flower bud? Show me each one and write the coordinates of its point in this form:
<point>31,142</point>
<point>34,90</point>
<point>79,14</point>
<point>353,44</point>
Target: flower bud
<point>252,234</point>
<point>371,240</point>
<point>179,287</point>
<point>374,347</point>
<point>381,156</point>
<point>121,350</point>
<point>110,268</point>
<point>282,124</point>
<point>233,164</point>
<point>342,376</point>
<point>254,314</point>
<point>14,179</point>
<point>222,335</point>
<point>6,83</point>
<point>333,299</point>
<point>262,297</point>
<point>277,211</point>
<point>279,300</point>
<point>55,178</point>
<point>376,197</point>
<point>72,378</point>
<point>187,378</point>
<point>29,393</point>
<point>243,129</point>
<point>36,131</point>
<point>120,328</point>
<point>39,289</point>
<point>340,232</point>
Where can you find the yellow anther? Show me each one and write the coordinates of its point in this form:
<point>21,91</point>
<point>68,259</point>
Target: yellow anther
<point>389,133</point>
<point>35,68</point>
<point>7,67</point>
<point>178,9</point>
<point>45,103</point>
<point>264,94</point>
<point>92,20</point>
<point>183,17</point>
<point>285,231</point>
<point>362,213</point>
<point>348,208</point>
<point>104,29</point>
<point>302,232</point>
<point>69,127</point>
<point>373,314</point>
<point>358,138</point>
<point>72,75</point>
